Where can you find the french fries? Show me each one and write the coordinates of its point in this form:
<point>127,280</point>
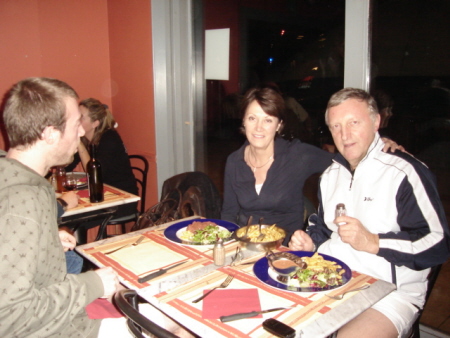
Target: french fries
<point>318,264</point>
<point>273,233</point>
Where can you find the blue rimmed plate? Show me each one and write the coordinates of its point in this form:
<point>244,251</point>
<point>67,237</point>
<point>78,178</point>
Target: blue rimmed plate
<point>172,233</point>
<point>266,275</point>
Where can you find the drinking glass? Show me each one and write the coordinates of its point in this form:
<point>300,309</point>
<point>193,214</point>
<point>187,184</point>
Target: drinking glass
<point>70,183</point>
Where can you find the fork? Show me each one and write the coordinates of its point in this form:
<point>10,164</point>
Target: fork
<point>224,284</point>
<point>261,235</point>
<point>139,240</point>
<point>340,296</point>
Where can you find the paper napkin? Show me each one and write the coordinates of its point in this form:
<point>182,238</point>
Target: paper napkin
<point>101,309</point>
<point>223,302</point>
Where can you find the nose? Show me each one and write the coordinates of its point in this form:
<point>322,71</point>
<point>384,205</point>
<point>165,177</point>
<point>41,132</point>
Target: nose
<point>259,125</point>
<point>345,133</point>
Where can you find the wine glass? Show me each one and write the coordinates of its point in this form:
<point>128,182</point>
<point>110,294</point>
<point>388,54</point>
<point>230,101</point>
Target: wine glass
<point>70,182</point>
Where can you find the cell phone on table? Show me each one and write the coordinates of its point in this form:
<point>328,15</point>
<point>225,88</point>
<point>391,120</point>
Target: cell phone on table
<point>278,328</point>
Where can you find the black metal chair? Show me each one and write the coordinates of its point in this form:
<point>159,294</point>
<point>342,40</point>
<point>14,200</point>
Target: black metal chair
<point>140,171</point>
<point>127,302</point>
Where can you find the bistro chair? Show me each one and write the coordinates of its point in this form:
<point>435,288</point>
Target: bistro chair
<point>432,277</point>
<point>127,301</point>
<point>140,171</point>
<point>198,193</point>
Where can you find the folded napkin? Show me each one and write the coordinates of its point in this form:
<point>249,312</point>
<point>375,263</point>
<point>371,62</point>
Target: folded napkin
<point>224,302</point>
<point>102,308</point>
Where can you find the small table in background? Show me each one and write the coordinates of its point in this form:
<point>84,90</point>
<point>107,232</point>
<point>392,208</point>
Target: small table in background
<point>102,211</point>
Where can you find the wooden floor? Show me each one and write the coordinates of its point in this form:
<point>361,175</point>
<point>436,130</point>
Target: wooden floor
<point>436,314</point>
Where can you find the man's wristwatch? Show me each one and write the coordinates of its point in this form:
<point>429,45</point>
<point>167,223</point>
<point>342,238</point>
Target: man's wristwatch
<point>63,203</point>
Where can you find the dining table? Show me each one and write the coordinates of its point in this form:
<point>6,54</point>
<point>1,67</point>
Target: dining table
<point>102,211</point>
<point>192,273</point>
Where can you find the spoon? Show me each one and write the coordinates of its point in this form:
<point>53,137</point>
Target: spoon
<point>249,222</point>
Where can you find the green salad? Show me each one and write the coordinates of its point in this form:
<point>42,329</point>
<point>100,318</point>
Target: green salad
<point>310,278</point>
<point>208,235</point>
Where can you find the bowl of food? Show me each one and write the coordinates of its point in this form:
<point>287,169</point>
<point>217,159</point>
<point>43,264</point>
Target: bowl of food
<point>273,237</point>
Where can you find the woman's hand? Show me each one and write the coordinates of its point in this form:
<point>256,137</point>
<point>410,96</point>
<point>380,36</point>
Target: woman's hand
<point>391,145</point>
<point>84,154</point>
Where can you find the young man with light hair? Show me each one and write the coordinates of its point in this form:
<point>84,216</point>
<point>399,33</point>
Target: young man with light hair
<point>38,297</point>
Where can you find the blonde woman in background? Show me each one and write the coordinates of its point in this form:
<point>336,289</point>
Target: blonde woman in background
<point>100,129</point>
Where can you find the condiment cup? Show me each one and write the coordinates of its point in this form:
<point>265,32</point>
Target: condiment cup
<point>283,265</point>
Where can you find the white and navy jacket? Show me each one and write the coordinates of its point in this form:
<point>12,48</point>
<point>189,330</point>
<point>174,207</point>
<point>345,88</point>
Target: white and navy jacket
<point>395,196</point>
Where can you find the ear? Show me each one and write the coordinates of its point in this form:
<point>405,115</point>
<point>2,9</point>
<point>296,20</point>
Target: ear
<point>96,123</point>
<point>279,125</point>
<point>50,134</point>
<point>377,122</point>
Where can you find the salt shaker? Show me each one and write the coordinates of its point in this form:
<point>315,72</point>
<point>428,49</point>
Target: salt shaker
<point>219,253</point>
<point>340,211</point>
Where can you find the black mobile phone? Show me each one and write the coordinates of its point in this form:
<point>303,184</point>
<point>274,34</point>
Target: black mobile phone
<point>278,328</point>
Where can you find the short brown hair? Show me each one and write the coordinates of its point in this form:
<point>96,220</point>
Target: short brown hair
<point>269,98</point>
<point>34,104</point>
<point>352,93</point>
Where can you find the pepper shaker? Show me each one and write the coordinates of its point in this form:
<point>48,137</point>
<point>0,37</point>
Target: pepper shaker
<point>219,253</point>
<point>340,211</point>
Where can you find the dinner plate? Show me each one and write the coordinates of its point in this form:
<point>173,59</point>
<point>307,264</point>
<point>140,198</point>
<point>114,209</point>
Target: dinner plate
<point>266,275</point>
<point>173,231</point>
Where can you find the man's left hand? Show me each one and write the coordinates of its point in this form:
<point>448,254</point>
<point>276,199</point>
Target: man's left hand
<point>391,145</point>
<point>355,234</point>
<point>67,240</point>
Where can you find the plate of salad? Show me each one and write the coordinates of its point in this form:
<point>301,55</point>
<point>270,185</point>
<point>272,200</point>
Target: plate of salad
<point>333,275</point>
<point>200,231</point>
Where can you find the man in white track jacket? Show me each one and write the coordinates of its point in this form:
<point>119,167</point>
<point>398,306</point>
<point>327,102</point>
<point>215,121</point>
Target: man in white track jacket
<point>395,228</point>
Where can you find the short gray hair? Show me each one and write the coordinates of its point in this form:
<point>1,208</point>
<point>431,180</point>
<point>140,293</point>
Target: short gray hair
<point>352,93</point>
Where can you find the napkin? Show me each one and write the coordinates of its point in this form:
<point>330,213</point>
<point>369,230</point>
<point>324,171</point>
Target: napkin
<point>102,308</point>
<point>224,302</point>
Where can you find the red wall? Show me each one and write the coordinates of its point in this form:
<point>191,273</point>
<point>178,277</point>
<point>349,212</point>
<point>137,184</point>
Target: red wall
<point>101,48</point>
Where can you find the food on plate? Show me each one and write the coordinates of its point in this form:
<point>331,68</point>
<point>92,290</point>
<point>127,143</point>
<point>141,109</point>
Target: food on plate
<point>204,233</point>
<point>319,273</point>
<point>272,233</point>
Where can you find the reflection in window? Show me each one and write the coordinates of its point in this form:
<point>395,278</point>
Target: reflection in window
<point>411,79</point>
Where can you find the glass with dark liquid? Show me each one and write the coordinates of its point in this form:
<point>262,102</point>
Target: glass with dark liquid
<point>70,182</point>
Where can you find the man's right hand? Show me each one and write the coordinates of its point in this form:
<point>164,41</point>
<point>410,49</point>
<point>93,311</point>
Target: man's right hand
<point>109,279</point>
<point>71,199</point>
<point>300,241</point>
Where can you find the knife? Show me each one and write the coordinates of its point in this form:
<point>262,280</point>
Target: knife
<point>157,273</point>
<point>237,316</point>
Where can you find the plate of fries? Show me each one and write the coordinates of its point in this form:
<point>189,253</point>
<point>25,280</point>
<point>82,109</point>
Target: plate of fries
<point>323,273</point>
